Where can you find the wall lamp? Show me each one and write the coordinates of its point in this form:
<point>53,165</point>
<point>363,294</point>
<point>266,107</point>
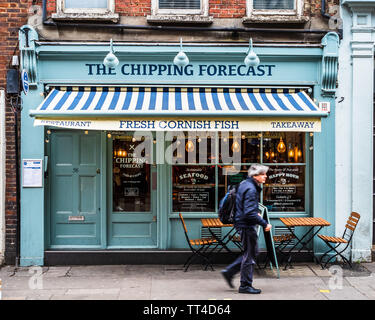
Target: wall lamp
<point>251,60</point>
<point>110,61</point>
<point>181,59</point>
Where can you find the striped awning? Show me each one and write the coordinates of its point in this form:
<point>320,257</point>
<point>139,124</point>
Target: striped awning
<point>166,103</point>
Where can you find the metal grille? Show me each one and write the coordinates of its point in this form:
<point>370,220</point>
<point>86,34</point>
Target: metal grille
<point>205,233</point>
<point>179,4</point>
<point>279,230</point>
<point>273,4</point>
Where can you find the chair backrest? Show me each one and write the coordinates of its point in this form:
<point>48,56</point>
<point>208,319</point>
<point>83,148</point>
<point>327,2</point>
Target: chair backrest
<point>351,225</point>
<point>184,226</point>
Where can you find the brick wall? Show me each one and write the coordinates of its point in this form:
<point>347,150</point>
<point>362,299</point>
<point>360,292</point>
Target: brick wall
<point>13,14</point>
<point>218,8</point>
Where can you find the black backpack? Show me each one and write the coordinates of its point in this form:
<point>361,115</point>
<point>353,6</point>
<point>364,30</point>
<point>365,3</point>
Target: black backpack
<point>227,205</point>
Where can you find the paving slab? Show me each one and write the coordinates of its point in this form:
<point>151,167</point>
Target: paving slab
<point>305,281</point>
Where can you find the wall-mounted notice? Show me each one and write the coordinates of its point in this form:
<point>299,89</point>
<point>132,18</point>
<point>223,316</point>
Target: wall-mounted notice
<point>32,170</point>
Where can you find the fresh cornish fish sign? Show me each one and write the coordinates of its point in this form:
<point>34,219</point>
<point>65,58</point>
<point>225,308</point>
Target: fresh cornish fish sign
<point>240,124</point>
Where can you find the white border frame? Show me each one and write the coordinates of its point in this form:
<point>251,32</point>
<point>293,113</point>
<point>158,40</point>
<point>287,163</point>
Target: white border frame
<point>85,13</point>
<point>41,174</point>
<point>298,5</point>
<point>203,11</point>
<point>60,6</point>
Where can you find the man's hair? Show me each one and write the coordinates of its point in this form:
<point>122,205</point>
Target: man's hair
<point>257,169</point>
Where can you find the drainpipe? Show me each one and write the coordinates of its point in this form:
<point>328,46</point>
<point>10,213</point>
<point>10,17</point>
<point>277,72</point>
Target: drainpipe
<point>323,10</point>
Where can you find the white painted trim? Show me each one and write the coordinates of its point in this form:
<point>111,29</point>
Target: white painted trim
<point>85,13</point>
<point>251,12</point>
<point>60,5</point>
<point>2,175</point>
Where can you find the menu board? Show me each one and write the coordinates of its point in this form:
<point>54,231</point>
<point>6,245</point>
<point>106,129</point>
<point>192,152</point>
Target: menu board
<point>285,188</point>
<point>193,188</point>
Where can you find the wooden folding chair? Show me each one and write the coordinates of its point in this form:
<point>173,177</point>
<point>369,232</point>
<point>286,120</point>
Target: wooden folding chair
<point>198,247</point>
<point>283,241</point>
<point>335,242</point>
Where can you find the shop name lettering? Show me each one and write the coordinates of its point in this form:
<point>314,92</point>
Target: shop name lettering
<point>190,70</point>
<point>292,124</point>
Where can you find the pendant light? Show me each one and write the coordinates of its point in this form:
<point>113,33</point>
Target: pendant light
<point>281,147</point>
<point>189,147</point>
<point>251,60</point>
<point>236,147</point>
<point>110,61</point>
<point>181,59</point>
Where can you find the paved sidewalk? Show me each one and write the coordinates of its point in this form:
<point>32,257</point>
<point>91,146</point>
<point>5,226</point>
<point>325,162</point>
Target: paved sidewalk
<point>306,281</point>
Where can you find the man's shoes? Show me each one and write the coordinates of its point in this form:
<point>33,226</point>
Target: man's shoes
<point>228,278</point>
<point>249,289</point>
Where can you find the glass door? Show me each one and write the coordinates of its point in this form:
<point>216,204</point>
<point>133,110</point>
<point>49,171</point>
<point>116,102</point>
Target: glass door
<point>132,197</point>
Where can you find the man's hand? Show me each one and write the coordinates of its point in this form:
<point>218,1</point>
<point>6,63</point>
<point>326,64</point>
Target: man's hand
<point>268,228</point>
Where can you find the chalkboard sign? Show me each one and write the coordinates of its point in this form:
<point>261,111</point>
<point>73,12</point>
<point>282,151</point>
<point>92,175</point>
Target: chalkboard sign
<point>271,252</point>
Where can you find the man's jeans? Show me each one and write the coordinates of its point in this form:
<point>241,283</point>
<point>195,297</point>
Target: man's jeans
<point>245,263</point>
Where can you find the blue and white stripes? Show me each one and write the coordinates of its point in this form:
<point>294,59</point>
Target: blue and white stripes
<point>175,101</point>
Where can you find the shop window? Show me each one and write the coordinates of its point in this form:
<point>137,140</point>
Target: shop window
<point>131,170</point>
<point>283,147</point>
<point>86,10</point>
<point>193,188</point>
<point>200,180</point>
<point>180,11</point>
<point>277,11</point>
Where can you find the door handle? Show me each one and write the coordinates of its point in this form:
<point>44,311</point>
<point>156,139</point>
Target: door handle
<point>98,171</point>
<point>75,170</point>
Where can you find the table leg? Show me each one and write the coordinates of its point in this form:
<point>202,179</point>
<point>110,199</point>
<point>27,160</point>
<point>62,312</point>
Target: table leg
<point>304,244</point>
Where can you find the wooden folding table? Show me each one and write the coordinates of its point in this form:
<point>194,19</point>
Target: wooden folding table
<point>303,222</point>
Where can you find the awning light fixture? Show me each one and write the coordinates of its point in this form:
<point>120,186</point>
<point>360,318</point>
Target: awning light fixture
<point>251,60</point>
<point>181,59</point>
<point>111,61</point>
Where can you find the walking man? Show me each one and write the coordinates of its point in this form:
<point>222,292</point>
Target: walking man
<point>246,219</point>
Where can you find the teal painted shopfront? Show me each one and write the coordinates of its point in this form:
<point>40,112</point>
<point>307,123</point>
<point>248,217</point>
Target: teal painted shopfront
<point>126,149</point>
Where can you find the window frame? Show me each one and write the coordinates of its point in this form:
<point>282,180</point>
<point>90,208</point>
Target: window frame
<point>203,11</point>
<point>306,163</point>
<point>275,16</point>
<point>297,11</point>
<point>86,13</point>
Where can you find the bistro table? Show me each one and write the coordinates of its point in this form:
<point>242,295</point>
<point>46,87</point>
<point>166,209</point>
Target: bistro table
<point>303,222</point>
<point>211,223</point>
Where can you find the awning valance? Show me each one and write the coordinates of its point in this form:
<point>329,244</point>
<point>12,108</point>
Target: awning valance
<point>65,106</point>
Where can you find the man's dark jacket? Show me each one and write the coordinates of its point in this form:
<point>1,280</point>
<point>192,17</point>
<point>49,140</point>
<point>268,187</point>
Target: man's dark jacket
<point>247,201</point>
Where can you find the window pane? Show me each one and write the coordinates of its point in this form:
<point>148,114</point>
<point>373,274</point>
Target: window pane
<point>194,147</point>
<point>72,4</point>
<point>179,4</point>
<point>239,147</point>
<point>284,189</point>
<point>284,147</point>
<point>229,176</point>
<point>193,188</point>
<point>273,4</point>
<point>131,176</point>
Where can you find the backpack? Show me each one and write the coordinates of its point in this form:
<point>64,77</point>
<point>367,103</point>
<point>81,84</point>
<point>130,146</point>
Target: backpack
<point>227,205</point>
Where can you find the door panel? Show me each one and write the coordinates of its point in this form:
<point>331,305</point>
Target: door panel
<point>132,200</point>
<point>75,189</point>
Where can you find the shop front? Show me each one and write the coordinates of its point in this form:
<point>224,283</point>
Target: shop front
<point>124,150</point>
